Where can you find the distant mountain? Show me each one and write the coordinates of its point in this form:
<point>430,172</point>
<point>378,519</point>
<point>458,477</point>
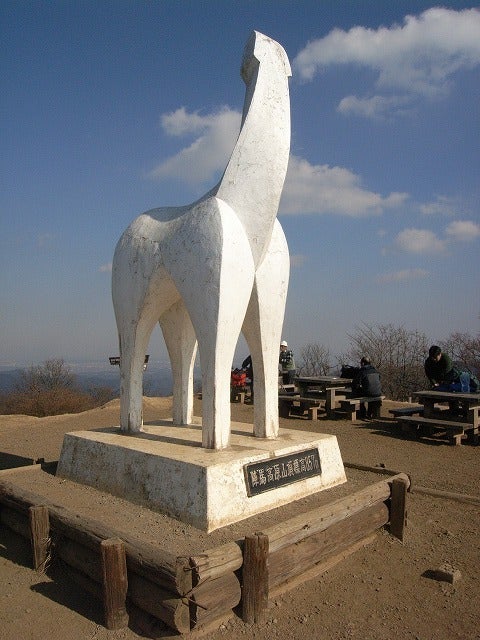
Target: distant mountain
<point>8,379</point>
<point>157,379</point>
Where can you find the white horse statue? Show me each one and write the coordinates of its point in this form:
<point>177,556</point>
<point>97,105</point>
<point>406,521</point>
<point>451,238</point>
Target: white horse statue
<point>214,268</point>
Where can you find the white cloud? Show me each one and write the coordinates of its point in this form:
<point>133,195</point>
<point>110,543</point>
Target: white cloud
<point>105,268</point>
<point>463,230</point>
<point>180,122</point>
<point>403,275</point>
<point>419,241</point>
<point>441,206</point>
<point>208,153</point>
<point>416,58</point>
<point>297,260</point>
<point>375,107</point>
<point>308,188</point>
<point>423,241</point>
<point>320,189</point>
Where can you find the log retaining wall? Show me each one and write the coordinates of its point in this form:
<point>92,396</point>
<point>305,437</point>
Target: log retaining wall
<point>188,592</point>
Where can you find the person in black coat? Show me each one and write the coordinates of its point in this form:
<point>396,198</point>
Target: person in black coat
<point>247,366</point>
<point>367,384</point>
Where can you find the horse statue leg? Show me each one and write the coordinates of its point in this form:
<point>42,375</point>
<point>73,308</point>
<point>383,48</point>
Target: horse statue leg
<point>181,343</point>
<point>262,329</point>
<point>214,278</point>
<point>141,291</point>
<point>133,339</point>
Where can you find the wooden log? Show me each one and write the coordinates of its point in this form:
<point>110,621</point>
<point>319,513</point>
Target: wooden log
<point>115,583</point>
<point>80,557</point>
<point>158,565</point>
<point>295,559</point>
<point>321,518</point>
<point>32,466</point>
<point>447,495</point>
<point>214,599</point>
<point>321,567</point>
<point>172,573</point>
<point>255,578</point>
<point>168,607</point>
<point>168,570</point>
<point>216,562</point>
<point>18,499</point>
<point>80,579</point>
<point>17,522</point>
<point>39,536</point>
<point>398,510</point>
<point>380,470</point>
<point>154,600</point>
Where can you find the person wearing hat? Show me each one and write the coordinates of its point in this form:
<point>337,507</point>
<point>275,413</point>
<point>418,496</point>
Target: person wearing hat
<point>367,383</point>
<point>286,363</point>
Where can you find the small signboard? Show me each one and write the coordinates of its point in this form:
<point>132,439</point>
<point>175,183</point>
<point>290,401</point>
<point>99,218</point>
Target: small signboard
<point>116,360</point>
<point>277,472</point>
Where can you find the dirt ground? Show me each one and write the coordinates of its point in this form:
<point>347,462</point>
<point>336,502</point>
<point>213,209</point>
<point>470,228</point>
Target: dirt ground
<point>383,591</point>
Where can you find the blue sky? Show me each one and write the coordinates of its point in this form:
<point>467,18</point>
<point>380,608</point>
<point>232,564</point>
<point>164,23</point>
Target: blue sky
<point>112,108</point>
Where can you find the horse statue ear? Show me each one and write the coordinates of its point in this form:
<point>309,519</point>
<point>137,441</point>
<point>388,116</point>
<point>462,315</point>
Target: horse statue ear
<point>258,47</point>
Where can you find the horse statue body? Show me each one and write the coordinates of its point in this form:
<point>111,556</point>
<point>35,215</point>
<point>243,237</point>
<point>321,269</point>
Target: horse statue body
<point>212,269</point>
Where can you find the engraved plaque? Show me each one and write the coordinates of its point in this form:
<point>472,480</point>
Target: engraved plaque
<point>273,473</point>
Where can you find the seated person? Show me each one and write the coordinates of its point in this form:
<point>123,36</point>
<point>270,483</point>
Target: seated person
<point>247,366</point>
<point>441,373</point>
<point>367,383</point>
<point>439,368</point>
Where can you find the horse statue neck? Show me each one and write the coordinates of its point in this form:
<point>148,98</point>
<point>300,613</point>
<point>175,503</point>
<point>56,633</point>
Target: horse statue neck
<point>253,179</point>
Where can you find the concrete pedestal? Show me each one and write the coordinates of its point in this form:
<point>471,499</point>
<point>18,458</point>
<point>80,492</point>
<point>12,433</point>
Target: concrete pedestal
<point>166,469</point>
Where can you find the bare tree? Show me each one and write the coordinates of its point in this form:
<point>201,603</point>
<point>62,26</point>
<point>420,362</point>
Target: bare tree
<point>48,389</point>
<point>315,360</point>
<point>397,353</point>
<point>465,350</point>
<point>52,374</point>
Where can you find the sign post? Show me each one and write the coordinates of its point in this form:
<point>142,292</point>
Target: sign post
<point>115,360</point>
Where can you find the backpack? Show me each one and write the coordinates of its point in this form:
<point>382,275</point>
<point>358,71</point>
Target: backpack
<point>474,384</point>
<point>349,371</point>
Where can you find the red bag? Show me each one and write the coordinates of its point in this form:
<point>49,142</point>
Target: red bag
<point>238,378</point>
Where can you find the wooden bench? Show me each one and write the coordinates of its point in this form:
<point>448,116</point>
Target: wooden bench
<point>285,401</point>
<point>237,395</point>
<point>289,402</point>
<point>352,405</point>
<point>333,396</point>
<point>420,426</point>
<point>286,388</point>
<point>407,411</point>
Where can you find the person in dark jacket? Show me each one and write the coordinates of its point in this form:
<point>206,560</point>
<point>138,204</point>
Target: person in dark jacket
<point>367,384</point>
<point>247,366</point>
<point>439,367</point>
<point>441,373</point>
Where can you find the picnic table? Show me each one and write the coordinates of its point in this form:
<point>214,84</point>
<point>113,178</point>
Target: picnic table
<point>328,388</point>
<point>436,419</point>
